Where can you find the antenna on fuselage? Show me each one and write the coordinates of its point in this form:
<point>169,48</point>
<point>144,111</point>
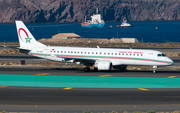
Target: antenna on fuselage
<point>130,47</point>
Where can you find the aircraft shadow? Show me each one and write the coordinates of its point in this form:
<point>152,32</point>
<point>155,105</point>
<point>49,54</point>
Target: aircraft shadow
<point>114,71</point>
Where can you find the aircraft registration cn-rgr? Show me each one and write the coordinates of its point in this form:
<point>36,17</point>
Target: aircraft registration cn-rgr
<point>101,58</point>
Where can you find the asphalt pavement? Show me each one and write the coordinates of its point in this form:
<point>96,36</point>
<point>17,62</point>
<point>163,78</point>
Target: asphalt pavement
<point>94,100</point>
<point>38,99</point>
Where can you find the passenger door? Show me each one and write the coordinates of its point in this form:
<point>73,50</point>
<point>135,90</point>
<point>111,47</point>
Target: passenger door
<point>151,56</point>
<point>45,52</point>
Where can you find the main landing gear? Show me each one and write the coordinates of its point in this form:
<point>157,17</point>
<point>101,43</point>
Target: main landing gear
<point>87,69</point>
<point>154,69</point>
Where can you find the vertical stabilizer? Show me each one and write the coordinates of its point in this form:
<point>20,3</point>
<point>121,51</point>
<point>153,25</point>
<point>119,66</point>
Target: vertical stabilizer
<point>26,39</point>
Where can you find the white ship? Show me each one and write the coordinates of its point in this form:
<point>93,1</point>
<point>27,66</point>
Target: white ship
<point>124,24</point>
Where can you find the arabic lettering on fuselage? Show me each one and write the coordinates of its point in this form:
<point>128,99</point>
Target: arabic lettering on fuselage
<point>130,52</point>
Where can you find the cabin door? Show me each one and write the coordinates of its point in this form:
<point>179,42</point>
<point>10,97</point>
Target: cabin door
<point>52,53</point>
<point>45,52</point>
<point>150,56</point>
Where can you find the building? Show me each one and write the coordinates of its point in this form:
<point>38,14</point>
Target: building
<point>129,40</point>
<point>66,36</point>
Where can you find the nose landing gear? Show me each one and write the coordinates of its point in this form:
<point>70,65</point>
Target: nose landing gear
<point>154,69</point>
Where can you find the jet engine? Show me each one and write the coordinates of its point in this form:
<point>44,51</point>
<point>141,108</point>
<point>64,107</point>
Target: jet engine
<point>103,65</point>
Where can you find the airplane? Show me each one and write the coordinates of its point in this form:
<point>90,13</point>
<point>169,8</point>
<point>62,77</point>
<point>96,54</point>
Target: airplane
<point>101,58</point>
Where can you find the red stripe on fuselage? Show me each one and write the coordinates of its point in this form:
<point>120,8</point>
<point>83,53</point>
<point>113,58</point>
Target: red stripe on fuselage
<point>103,58</point>
<point>38,54</point>
<point>114,58</point>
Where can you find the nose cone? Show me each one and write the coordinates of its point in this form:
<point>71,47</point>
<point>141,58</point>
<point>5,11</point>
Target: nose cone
<point>171,62</point>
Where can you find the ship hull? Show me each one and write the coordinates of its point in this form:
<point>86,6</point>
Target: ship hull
<point>92,25</point>
<point>123,26</point>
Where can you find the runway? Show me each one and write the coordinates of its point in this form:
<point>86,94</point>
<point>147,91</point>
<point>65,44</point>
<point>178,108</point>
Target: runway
<point>39,99</point>
<point>95,100</point>
<point>71,100</point>
<point>31,70</point>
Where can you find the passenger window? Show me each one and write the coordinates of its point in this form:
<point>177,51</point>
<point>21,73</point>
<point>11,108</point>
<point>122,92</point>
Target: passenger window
<point>115,53</point>
<point>100,53</point>
<point>75,52</point>
<point>92,52</point>
<point>54,51</point>
<point>141,54</point>
<point>84,52</point>
<point>119,53</point>
<point>123,54</point>
<point>96,52</point>
<point>64,51</point>
<point>81,52</point>
<point>137,54</point>
<point>88,52</point>
<point>78,52</point>
<point>126,54</point>
<point>134,54</point>
<point>71,51</point>
<point>104,53</point>
<point>61,51</point>
<point>68,51</point>
<point>108,53</point>
<point>130,54</point>
<point>111,53</point>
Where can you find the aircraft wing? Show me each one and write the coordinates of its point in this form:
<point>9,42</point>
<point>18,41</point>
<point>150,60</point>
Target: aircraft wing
<point>81,60</point>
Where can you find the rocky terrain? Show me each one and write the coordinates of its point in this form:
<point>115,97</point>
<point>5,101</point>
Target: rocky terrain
<point>74,10</point>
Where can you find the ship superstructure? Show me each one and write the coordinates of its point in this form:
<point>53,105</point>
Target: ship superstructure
<point>124,24</point>
<point>95,21</point>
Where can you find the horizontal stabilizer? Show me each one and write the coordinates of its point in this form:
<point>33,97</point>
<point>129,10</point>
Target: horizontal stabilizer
<point>23,50</point>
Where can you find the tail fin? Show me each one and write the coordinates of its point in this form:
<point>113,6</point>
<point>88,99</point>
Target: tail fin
<point>26,39</point>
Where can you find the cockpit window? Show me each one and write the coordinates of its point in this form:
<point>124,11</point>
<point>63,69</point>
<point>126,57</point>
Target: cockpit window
<point>161,55</point>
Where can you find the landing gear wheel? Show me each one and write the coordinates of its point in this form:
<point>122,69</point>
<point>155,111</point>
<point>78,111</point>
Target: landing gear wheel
<point>86,69</point>
<point>95,69</point>
<point>154,71</point>
<point>125,66</point>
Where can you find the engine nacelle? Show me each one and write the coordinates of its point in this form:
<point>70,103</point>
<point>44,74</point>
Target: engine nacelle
<point>103,65</point>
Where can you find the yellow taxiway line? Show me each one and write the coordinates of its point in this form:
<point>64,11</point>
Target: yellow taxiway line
<point>3,86</point>
<point>68,88</point>
<point>104,75</point>
<point>143,89</point>
<point>43,74</point>
<point>171,76</point>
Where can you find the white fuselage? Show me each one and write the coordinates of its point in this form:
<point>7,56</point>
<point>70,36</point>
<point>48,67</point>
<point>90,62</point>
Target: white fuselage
<point>101,58</point>
<point>92,55</point>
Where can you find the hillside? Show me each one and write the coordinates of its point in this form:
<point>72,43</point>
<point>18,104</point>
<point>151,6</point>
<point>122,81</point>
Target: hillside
<point>74,10</point>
